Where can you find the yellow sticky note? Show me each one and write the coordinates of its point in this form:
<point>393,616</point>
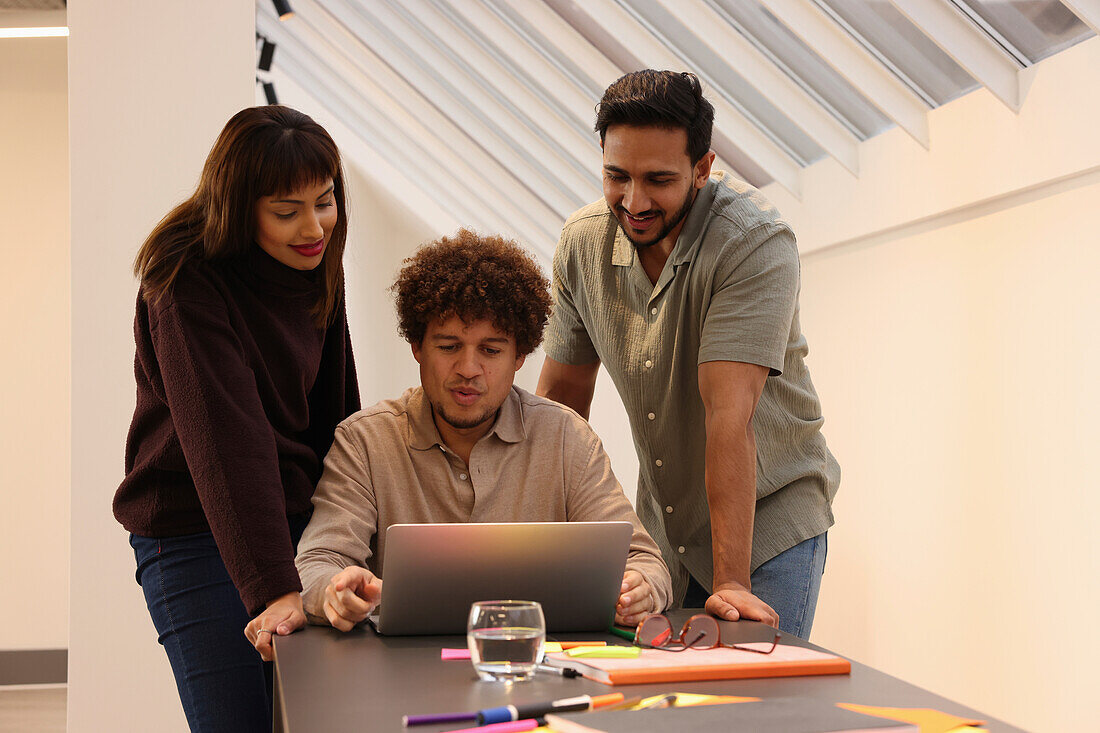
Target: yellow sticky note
<point>551,646</point>
<point>605,652</point>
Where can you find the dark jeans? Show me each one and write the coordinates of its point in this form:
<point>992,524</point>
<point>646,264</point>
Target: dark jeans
<point>789,583</point>
<point>200,619</point>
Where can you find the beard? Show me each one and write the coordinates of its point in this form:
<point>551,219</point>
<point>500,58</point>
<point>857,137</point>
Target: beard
<point>671,224</point>
<point>472,422</point>
<point>464,423</point>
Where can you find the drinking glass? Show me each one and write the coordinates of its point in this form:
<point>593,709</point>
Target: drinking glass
<point>506,639</point>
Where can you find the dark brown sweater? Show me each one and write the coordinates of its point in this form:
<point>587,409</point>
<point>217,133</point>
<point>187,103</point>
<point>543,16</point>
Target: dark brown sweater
<point>238,396</point>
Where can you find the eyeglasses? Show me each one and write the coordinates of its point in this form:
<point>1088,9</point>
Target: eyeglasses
<point>699,632</point>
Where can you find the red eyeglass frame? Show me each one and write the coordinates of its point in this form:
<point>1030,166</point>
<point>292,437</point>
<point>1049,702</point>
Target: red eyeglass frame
<point>665,641</point>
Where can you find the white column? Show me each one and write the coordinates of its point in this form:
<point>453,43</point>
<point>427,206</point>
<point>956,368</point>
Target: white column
<point>150,86</point>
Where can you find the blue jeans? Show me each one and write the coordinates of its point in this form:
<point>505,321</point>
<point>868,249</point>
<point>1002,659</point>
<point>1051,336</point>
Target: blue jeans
<point>789,583</point>
<point>200,619</point>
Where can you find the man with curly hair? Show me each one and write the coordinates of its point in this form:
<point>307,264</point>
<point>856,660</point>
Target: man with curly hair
<point>466,445</point>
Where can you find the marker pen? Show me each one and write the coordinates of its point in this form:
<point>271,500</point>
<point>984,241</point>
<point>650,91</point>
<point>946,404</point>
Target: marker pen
<point>538,709</point>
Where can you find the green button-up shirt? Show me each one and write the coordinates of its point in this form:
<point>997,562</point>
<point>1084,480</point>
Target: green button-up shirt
<point>728,292</point>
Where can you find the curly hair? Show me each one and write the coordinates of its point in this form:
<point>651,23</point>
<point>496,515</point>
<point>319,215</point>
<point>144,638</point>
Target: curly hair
<point>473,277</point>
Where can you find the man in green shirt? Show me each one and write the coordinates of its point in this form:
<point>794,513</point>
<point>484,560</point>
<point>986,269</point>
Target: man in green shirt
<point>684,284</point>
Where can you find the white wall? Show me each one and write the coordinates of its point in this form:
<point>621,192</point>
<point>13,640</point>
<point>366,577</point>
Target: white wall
<point>150,86</point>
<point>950,302</point>
<point>957,368</point>
<point>34,328</point>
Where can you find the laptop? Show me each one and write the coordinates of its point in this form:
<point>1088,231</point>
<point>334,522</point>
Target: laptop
<point>433,572</point>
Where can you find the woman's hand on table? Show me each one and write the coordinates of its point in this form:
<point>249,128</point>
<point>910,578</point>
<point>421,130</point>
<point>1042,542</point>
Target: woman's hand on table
<point>282,616</point>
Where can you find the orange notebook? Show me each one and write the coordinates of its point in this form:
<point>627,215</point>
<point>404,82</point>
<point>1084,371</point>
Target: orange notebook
<point>656,665</point>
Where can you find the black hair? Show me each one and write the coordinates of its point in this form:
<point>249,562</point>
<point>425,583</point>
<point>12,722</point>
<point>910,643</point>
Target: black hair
<point>661,99</point>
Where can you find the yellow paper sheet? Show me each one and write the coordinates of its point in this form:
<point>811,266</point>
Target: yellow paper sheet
<point>687,699</point>
<point>930,721</point>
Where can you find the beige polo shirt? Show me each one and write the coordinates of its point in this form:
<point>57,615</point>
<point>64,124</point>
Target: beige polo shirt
<point>728,292</point>
<point>540,462</point>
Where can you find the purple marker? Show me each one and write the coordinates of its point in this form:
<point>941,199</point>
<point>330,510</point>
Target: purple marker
<point>436,718</point>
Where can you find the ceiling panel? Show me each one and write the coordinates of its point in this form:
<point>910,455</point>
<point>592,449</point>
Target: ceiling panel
<point>493,101</point>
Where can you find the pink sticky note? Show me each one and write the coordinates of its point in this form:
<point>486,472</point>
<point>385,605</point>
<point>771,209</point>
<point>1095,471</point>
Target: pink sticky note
<point>446,654</point>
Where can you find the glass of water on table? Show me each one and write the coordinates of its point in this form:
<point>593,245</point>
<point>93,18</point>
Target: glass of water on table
<point>506,639</point>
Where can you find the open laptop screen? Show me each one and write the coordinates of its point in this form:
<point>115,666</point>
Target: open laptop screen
<point>433,572</point>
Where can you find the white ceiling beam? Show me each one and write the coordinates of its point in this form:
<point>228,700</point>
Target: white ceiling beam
<point>397,136</point>
<point>1088,11</point>
<point>547,120</point>
<point>969,47</point>
<point>557,31</point>
<point>483,116</point>
<point>356,153</point>
<point>742,131</point>
<point>518,52</point>
<point>334,92</point>
<point>590,61</point>
<point>380,84</point>
<point>773,83</point>
<point>857,65</point>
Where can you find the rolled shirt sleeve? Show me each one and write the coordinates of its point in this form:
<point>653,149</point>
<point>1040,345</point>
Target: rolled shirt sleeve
<point>343,525</point>
<point>748,318</point>
<point>567,340</point>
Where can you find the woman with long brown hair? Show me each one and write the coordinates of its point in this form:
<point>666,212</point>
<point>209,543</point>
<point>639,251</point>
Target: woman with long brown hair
<point>244,368</point>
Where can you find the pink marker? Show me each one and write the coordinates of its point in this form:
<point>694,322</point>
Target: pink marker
<point>509,727</point>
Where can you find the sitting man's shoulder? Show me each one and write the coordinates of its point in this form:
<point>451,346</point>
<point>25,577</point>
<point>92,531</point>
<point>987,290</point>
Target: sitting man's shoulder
<point>543,413</point>
<point>383,414</point>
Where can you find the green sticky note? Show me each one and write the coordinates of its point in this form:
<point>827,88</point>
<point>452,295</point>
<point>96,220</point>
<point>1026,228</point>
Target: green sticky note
<point>615,652</point>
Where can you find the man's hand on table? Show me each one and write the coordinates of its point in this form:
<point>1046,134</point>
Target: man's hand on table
<point>350,597</point>
<point>731,601</point>
<point>636,599</point>
<point>281,616</point>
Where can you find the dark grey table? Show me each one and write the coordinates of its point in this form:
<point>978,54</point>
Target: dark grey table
<point>327,681</point>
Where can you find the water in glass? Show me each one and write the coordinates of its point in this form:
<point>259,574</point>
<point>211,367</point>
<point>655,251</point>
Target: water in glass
<point>506,639</point>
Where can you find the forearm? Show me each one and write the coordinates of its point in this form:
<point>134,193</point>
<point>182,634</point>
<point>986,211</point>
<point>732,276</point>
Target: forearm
<point>731,496</point>
<point>571,385</point>
<point>316,568</point>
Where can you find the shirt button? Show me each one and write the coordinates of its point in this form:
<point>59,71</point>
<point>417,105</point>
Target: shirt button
<point>668,510</point>
<point>462,476</point>
<point>648,363</point>
<point>659,462</point>
<point>651,416</point>
<point>653,311</point>
<point>681,549</point>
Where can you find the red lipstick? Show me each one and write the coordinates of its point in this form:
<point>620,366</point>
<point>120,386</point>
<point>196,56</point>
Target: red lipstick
<point>309,250</point>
